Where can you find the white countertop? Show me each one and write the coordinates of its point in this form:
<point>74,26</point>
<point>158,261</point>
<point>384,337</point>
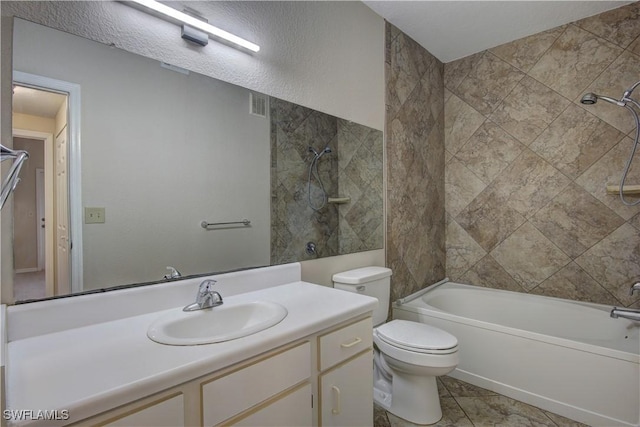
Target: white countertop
<point>91,369</point>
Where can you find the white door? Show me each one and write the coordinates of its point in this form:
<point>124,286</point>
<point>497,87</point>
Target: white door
<point>40,217</point>
<point>63,285</point>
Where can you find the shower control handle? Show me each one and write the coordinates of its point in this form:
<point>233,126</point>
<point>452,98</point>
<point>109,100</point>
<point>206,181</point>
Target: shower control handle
<point>311,248</point>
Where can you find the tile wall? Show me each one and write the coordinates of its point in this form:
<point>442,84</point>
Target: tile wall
<point>352,170</point>
<point>293,223</point>
<point>527,165</point>
<point>360,160</point>
<point>415,245</point>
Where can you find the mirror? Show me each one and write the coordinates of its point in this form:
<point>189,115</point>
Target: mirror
<point>163,150</point>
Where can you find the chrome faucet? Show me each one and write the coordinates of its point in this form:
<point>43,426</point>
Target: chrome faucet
<point>173,273</point>
<point>206,297</point>
<point>626,313</point>
<point>634,287</point>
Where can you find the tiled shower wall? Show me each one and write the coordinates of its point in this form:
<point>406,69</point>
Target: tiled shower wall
<point>293,223</point>
<point>352,170</point>
<point>360,221</point>
<point>527,165</point>
<point>415,247</point>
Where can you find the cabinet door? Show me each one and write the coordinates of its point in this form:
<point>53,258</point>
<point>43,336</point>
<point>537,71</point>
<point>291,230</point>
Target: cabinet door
<point>346,393</point>
<point>294,409</point>
<point>169,413</point>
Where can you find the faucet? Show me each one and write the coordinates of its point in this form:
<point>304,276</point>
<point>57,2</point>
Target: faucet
<point>206,298</point>
<point>634,287</point>
<point>173,273</point>
<point>626,313</point>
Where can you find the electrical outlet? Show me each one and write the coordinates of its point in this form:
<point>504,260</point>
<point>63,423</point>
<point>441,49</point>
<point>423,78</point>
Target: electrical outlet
<point>94,215</point>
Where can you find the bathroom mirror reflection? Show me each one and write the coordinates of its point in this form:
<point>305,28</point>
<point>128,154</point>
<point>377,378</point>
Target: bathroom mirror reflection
<point>160,151</point>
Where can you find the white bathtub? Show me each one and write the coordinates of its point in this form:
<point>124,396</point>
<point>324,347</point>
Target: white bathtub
<point>563,356</point>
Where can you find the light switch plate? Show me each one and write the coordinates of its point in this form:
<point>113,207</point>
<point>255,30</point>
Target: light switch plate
<point>94,215</point>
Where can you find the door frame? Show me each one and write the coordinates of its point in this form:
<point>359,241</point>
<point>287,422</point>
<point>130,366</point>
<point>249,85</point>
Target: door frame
<point>74,156</point>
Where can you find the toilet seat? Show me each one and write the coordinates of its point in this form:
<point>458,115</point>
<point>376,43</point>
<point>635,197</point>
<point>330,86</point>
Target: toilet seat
<point>417,337</point>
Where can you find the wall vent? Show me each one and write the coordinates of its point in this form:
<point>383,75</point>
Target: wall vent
<point>258,104</point>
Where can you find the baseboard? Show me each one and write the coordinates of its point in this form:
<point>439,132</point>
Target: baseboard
<point>545,403</point>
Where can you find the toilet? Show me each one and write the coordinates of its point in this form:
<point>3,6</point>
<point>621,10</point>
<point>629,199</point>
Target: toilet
<point>408,356</point>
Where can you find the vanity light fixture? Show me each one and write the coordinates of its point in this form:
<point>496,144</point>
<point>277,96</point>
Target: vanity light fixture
<point>196,23</point>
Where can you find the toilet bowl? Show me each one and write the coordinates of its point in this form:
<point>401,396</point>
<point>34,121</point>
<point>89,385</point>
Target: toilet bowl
<point>411,356</point>
<point>408,356</point>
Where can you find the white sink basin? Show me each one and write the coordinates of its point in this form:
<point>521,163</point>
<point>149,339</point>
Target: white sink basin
<point>223,323</point>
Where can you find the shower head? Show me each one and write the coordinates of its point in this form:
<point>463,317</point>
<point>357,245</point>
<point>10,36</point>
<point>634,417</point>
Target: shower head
<point>317,154</point>
<point>591,98</point>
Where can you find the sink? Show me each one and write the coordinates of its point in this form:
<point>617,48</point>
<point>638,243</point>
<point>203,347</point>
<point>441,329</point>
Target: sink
<point>223,323</point>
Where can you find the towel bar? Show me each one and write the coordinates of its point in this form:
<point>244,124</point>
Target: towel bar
<point>205,224</point>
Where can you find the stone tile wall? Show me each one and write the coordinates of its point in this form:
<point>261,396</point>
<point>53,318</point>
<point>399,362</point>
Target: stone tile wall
<point>353,169</point>
<point>360,157</point>
<point>415,245</point>
<point>293,223</point>
<point>527,165</point>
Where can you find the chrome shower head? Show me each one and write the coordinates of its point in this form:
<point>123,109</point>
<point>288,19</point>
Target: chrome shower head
<point>319,154</point>
<point>591,98</point>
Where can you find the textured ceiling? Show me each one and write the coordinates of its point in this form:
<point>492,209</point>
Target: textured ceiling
<point>36,102</point>
<point>451,30</point>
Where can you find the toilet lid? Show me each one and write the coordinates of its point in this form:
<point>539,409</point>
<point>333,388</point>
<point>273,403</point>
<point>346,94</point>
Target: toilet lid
<point>416,335</point>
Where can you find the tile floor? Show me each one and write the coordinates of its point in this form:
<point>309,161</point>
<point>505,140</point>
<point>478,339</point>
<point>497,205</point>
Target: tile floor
<point>465,405</point>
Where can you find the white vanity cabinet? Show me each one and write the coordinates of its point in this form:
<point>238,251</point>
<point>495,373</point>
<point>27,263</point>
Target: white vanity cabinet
<point>270,381</point>
<point>272,390</point>
<point>346,379</point>
<point>324,379</point>
<point>167,412</point>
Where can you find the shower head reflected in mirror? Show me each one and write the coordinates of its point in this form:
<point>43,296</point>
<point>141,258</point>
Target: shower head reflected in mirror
<point>591,98</point>
<point>319,154</point>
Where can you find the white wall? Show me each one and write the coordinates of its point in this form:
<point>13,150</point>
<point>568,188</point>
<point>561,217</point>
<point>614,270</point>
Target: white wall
<point>328,56</point>
<point>324,55</point>
<point>161,151</point>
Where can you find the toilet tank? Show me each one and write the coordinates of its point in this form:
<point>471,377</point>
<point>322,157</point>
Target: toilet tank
<point>371,281</point>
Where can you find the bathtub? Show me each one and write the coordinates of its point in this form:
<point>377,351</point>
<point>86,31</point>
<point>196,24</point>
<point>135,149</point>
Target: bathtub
<point>563,356</point>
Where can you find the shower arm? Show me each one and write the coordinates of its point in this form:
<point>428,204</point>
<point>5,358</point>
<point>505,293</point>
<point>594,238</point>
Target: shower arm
<point>11,181</point>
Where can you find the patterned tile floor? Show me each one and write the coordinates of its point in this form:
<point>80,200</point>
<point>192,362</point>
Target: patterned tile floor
<point>465,405</point>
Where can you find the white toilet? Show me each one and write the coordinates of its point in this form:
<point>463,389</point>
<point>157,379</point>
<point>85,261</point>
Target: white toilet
<point>409,355</point>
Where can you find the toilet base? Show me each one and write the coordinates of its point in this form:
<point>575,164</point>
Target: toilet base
<point>413,398</point>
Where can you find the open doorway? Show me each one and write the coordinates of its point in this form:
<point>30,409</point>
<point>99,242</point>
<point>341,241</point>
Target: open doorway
<point>40,215</point>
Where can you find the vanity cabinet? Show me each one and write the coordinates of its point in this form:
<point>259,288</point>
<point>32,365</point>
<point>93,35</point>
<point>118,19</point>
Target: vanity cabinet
<point>225,397</point>
<point>168,412</point>
<point>345,381</point>
<point>325,379</point>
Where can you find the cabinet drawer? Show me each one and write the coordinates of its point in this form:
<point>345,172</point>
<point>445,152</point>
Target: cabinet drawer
<point>169,413</point>
<point>293,409</point>
<point>238,391</point>
<point>339,345</point>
